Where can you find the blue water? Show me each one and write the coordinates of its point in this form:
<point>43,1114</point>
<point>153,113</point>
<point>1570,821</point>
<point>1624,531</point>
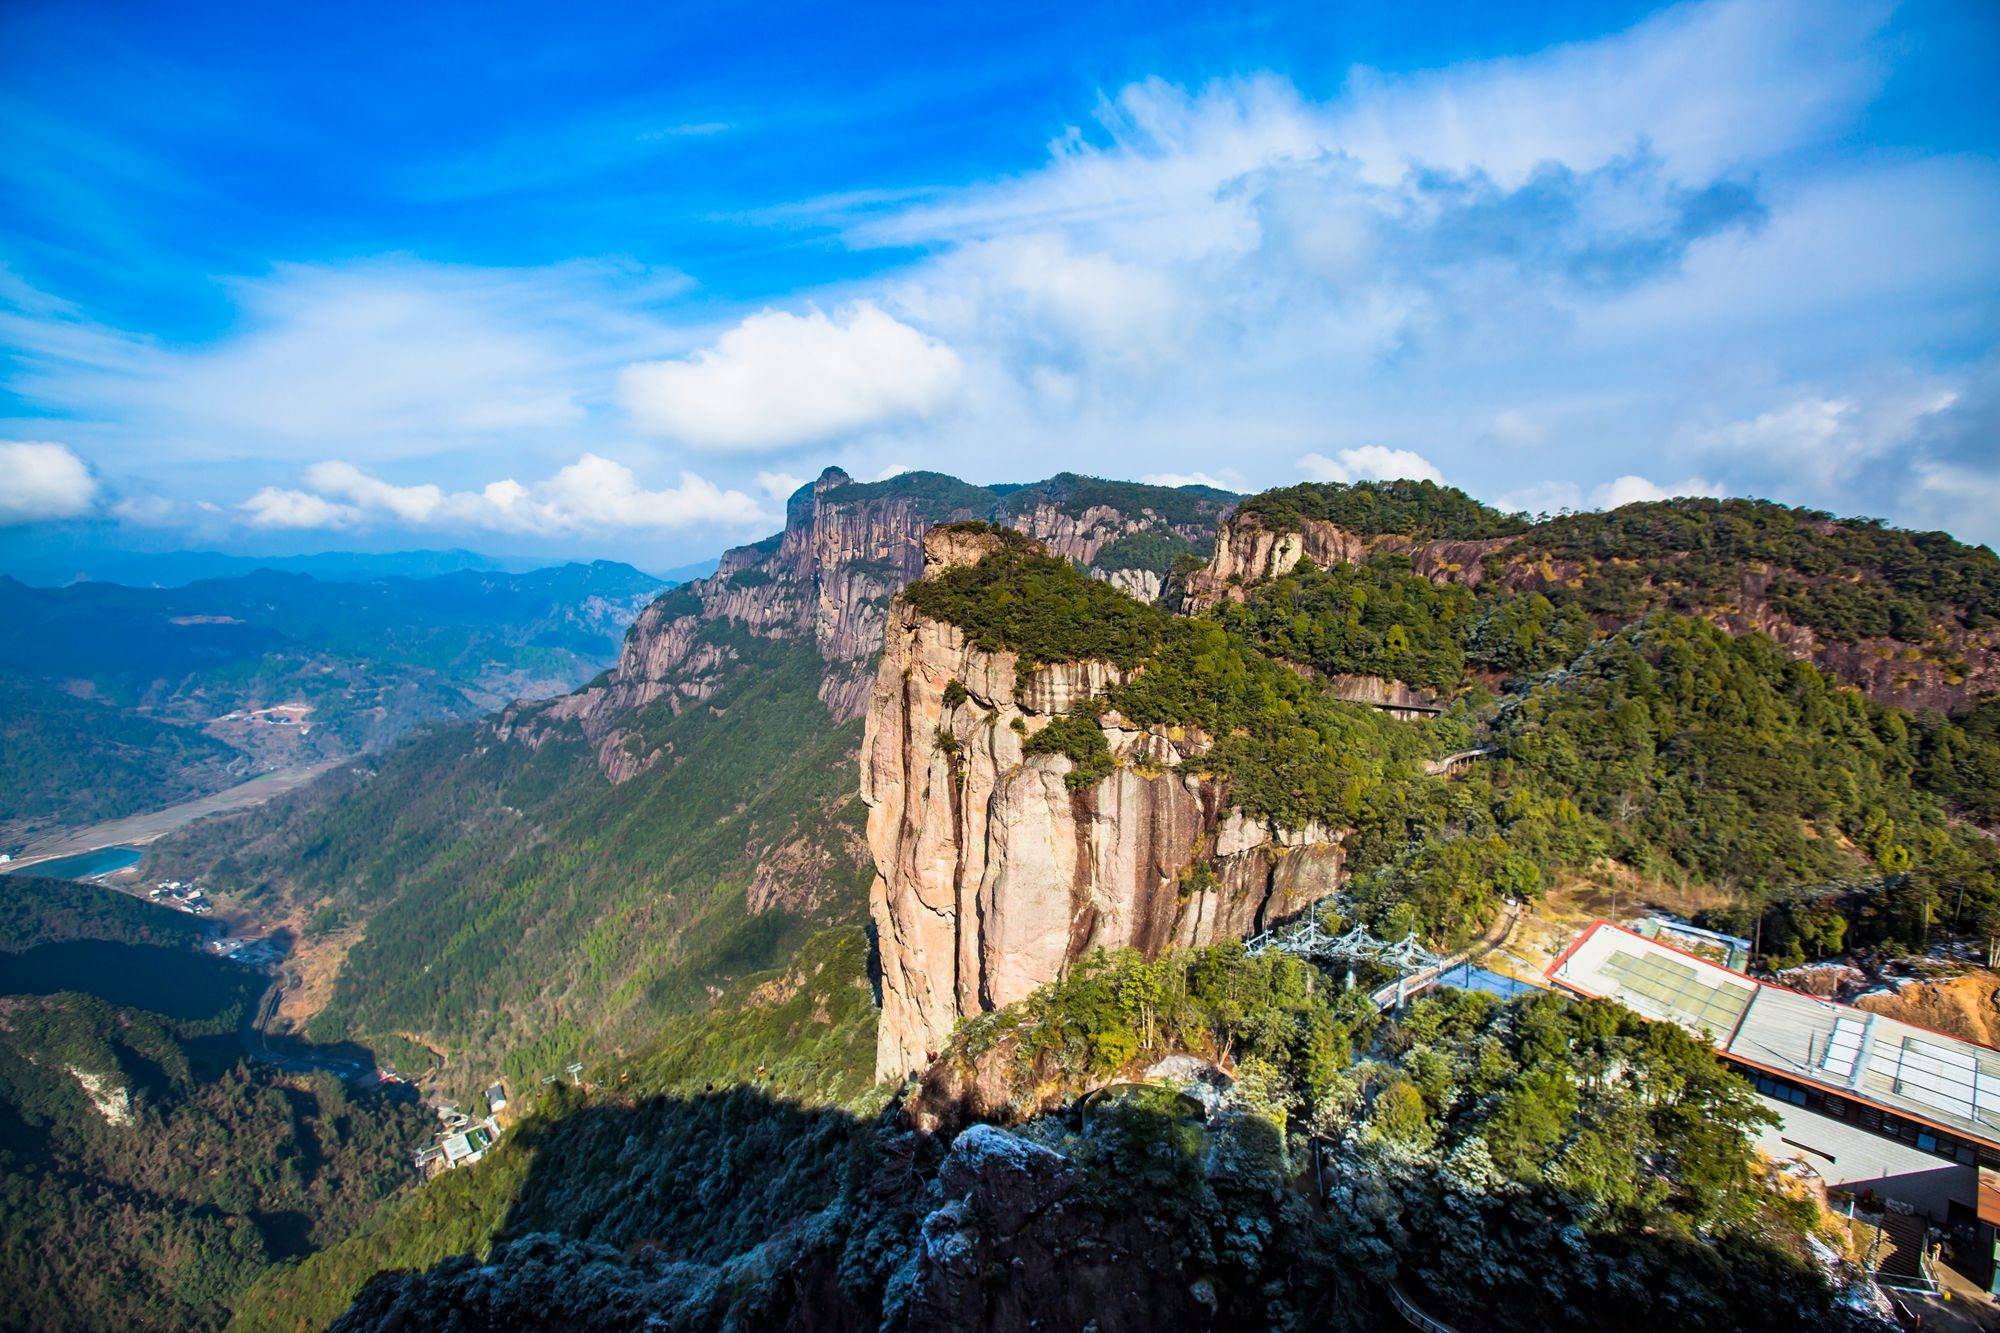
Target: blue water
<point>1467,977</point>
<point>84,865</point>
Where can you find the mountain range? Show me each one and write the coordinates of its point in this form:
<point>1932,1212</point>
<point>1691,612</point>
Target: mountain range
<point>117,699</point>
<point>886,860</point>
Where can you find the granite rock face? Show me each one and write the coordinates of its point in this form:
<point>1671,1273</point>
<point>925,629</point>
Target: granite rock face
<point>993,875</point>
<point>827,578</point>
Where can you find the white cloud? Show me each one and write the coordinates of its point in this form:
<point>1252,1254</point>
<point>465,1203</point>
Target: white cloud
<point>1370,462</point>
<point>409,504</point>
<point>779,379</point>
<point>278,507</point>
<point>1185,479</point>
<point>1515,429</point>
<point>893,470</point>
<point>1546,497</point>
<point>386,358</point>
<point>1703,86</point>
<point>39,481</point>
<point>1634,489</point>
<point>779,485</point>
<point>1823,440</point>
<point>591,495</point>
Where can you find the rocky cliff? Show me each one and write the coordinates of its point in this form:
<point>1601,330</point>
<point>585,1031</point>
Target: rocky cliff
<point>828,576</point>
<point>993,874</point>
<point>1247,553</point>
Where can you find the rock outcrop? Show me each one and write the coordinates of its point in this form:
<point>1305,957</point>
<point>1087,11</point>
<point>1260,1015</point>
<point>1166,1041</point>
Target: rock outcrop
<point>993,875</point>
<point>1248,553</point>
<point>827,578</point>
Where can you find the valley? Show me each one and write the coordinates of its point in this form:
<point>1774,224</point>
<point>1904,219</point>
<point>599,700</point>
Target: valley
<point>118,699</point>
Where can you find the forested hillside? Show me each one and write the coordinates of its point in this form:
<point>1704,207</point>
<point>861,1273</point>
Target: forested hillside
<point>520,912</point>
<point>70,760</point>
<point>148,1171</point>
<point>1670,746</point>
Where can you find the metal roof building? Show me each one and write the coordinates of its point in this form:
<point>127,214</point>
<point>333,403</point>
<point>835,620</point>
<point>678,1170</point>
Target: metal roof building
<point>1870,1102</point>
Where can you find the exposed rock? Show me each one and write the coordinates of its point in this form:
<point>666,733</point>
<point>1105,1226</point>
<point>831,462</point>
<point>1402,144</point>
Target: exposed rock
<point>845,550</point>
<point>111,1101</point>
<point>1009,1249</point>
<point>1248,553</point>
<point>992,875</point>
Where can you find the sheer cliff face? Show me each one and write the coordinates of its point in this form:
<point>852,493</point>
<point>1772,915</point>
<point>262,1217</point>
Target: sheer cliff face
<point>1942,675</point>
<point>992,875</point>
<point>845,551</point>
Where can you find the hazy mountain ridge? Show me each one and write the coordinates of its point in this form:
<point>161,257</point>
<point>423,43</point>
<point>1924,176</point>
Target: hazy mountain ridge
<point>348,666</point>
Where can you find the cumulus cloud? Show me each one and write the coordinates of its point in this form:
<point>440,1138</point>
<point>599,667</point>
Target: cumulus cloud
<point>1186,479</point>
<point>1370,462</point>
<point>778,379</point>
<point>1634,489</point>
<point>779,485</point>
<point>40,481</point>
<point>281,507</point>
<point>591,495</point>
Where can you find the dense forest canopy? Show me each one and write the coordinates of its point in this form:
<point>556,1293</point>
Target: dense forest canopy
<point>1846,578</point>
<point>1421,509</point>
<point>148,1171</point>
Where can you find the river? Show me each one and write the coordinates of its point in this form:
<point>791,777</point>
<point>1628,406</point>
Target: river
<point>84,865</point>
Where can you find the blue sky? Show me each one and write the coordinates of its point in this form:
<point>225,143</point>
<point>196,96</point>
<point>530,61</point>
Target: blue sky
<point>610,282</point>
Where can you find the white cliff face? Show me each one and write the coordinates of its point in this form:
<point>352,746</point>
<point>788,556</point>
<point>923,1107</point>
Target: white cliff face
<point>993,876</point>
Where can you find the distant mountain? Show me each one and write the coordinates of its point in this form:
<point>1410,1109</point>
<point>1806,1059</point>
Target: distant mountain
<point>54,568</point>
<point>277,668</point>
<point>700,569</point>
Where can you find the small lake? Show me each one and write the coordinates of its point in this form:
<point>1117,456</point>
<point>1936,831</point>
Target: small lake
<point>84,865</point>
